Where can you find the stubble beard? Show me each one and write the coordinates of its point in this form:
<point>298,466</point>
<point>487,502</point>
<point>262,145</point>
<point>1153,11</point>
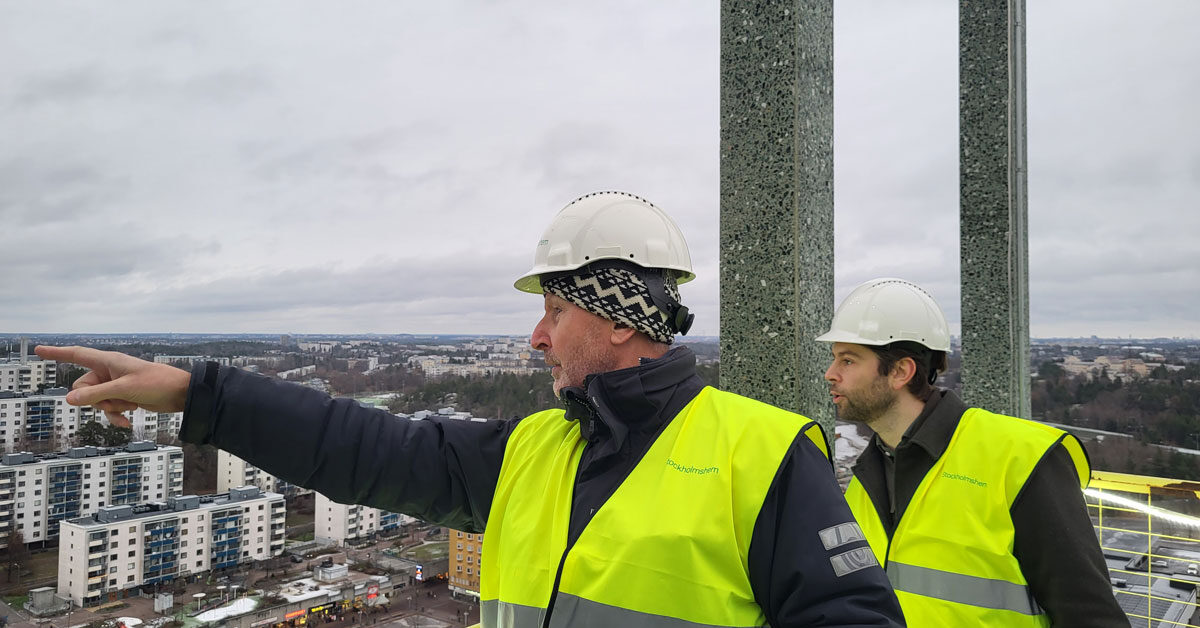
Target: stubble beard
<point>870,404</point>
<point>591,358</point>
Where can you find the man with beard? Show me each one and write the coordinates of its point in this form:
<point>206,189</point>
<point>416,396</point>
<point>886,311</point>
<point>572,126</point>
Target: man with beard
<point>652,501</point>
<point>978,518</point>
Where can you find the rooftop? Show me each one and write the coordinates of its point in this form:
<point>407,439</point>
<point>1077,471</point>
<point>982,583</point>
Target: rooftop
<point>106,515</point>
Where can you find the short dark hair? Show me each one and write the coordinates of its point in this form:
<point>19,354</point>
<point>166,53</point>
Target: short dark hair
<point>928,361</point>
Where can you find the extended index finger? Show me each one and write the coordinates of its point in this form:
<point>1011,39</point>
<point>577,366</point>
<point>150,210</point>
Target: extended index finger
<point>83,356</point>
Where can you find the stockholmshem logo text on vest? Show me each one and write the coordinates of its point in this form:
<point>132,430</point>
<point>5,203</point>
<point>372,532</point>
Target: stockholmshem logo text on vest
<point>963,478</point>
<point>690,469</point>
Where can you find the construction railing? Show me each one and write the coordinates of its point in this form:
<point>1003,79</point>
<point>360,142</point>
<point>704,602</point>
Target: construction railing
<point>1149,530</point>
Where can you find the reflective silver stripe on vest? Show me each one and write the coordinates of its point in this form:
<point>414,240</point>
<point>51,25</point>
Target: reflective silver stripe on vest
<point>575,612</point>
<point>497,614</point>
<point>955,587</point>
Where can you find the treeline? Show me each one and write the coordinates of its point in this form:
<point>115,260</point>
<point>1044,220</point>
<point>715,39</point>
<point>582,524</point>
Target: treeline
<point>392,378</point>
<point>501,396</point>
<point>1160,409</point>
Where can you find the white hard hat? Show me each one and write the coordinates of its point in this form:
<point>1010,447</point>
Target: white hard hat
<point>883,311</point>
<point>609,226</point>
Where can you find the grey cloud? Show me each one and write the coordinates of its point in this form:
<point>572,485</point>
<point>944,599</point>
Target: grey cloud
<point>62,87</point>
<point>33,194</point>
<point>86,86</point>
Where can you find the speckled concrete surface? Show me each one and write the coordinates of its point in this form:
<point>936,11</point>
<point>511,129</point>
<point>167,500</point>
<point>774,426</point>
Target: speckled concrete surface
<point>777,201</point>
<point>993,214</point>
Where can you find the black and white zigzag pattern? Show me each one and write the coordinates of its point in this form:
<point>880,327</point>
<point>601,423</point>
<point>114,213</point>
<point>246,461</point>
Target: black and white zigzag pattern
<point>618,295</point>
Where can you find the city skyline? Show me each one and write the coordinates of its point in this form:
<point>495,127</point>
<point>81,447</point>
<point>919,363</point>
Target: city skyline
<point>382,168</point>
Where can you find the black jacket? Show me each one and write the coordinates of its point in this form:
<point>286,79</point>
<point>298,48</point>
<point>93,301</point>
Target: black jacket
<point>445,471</point>
<point>1054,541</point>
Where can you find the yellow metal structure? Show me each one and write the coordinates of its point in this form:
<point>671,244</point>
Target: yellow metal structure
<point>1154,523</point>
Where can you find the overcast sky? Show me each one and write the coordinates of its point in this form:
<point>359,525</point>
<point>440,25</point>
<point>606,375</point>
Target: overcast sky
<point>389,166</point>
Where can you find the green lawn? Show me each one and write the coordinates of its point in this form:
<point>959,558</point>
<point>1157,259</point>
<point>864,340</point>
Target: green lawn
<point>294,518</point>
<point>429,551</point>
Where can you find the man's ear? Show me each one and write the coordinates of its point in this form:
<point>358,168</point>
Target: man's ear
<point>621,334</point>
<point>903,370</point>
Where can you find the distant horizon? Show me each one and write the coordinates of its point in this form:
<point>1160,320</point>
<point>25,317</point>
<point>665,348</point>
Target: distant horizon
<point>10,337</point>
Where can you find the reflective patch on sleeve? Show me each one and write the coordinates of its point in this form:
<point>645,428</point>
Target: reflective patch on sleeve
<point>852,561</point>
<point>841,534</point>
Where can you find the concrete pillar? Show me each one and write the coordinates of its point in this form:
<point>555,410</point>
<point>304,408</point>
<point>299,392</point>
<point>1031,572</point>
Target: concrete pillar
<point>993,208</point>
<point>777,201</point>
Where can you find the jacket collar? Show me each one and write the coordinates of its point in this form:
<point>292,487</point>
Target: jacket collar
<point>638,399</point>
<point>934,427</point>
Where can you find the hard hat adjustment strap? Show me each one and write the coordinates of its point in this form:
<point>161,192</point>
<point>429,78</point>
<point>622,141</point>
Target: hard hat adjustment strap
<point>677,313</point>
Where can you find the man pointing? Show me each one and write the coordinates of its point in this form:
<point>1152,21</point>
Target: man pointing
<point>651,500</point>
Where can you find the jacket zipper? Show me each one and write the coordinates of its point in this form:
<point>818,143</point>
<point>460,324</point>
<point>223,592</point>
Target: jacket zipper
<point>554,591</point>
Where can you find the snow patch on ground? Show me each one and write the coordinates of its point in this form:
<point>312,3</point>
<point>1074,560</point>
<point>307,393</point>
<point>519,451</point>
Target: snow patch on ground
<point>239,607</point>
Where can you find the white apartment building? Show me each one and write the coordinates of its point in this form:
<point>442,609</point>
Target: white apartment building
<point>343,524</point>
<point>27,374</point>
<point>39,491</point>
<point>28,419</point>
<point>149,425</point>
<point>188,360</point>
<point>106,555</point>
<point>233,472</point>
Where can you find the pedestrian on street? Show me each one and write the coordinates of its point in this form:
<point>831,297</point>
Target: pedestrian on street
<point>645,481</point>
<point>977,517</point>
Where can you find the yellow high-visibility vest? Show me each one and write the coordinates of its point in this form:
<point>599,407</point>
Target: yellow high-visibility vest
<point>671,542</point>
<point>950,558</point>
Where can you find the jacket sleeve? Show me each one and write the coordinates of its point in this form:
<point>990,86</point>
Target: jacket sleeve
<point>792,569</point>
<point>440,470</point>
<point>1056,546</point>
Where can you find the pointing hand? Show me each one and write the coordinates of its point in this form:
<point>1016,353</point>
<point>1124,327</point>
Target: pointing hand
<point>119,383</point>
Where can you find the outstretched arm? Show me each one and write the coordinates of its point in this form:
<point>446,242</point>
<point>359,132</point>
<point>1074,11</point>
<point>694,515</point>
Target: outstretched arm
<point>443,471</point>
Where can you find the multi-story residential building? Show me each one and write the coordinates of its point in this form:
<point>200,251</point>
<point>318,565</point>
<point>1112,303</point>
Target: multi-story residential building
<point>104,556</point>
<point>466,550</point>
<point>233,472</point>
<point>188,360</point>
<point>154,426</point>
<point>27,374</point>
<point>29,419</point>
<point>37,492</point>
<point>343,524</point>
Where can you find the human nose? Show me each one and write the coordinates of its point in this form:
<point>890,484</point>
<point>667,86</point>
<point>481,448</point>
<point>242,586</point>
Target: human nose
<point>830,374</point>
<point>540,340</point>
